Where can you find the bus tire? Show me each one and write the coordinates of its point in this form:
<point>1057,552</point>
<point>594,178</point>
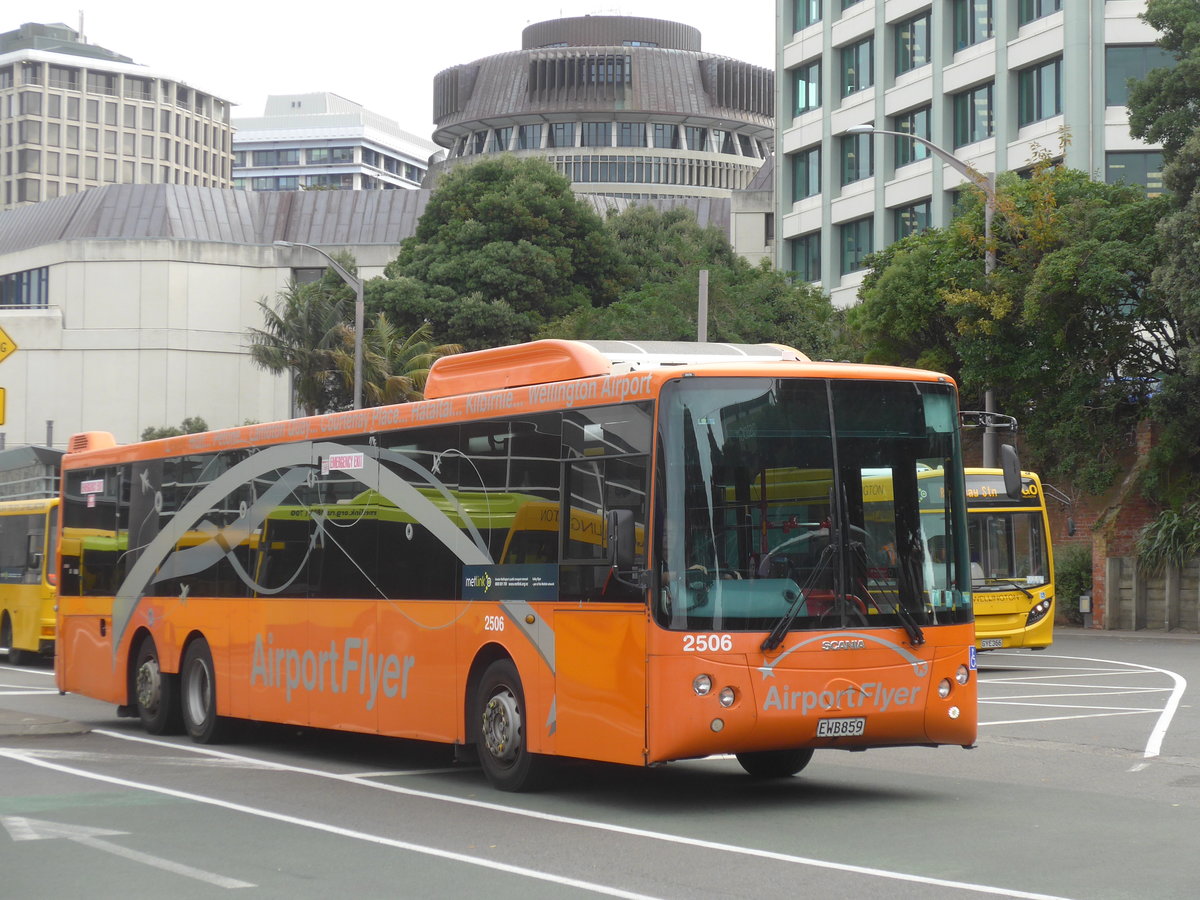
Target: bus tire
<point>774,763</point>
<point>500,731</point>
<point>16,657</point>
<point>198,696</point>
<point>156,692</point>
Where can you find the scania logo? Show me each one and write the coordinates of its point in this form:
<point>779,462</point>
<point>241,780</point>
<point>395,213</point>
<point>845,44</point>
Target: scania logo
<point>843,645</point>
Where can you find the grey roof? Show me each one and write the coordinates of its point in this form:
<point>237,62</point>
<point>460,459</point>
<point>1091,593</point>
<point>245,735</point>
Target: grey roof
<point>764,178</point>
<point>21,457</point>
<point>221,215</point>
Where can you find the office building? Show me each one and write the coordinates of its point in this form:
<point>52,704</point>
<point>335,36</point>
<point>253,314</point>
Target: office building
<point>76,116</point>
<point>321,140</point>
<point>620,105</point>
<point>993,82</point>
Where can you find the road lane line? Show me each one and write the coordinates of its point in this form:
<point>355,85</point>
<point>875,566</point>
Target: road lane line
<point>597,826</point>
<point>31,758</point>
<point>1159,732</point>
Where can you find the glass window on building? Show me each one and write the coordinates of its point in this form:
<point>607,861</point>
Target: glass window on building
<point>1039,92</point>
<point>29,289</point>
<point>806,256</point>
<point>501,138</point>
<point>666,136</point>
<point>914,122</point>
<point>1123,63</point>
<point>855,240</point>
<point>562,134</point>
<point>529,137</point>
<point>30,103</point>
<point>479,141</point>
<point>723,141</point>
<point>805,13</point>
<point>858,66</point>
<point>972,22</point>
<point>806,87</point>
<point>595,134</point>
<point>1135,167</point>
<point>911,219</point>
<point>806,173</point>
<point>857,157</point>
<point>697,137</point>
<point>973,115</point>
<point>631,134</point>
<point>912,43</point>
<point>1028,10</point>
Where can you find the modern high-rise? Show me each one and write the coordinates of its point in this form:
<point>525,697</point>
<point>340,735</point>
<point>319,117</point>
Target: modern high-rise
<point>75,115</point>
<point>622,106</point>
<point>321,140</point>
<point>993,82</point>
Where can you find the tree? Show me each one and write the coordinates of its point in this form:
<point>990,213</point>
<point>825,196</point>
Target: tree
<point>299,335</point>
<point>510,234</point>
<point>1067,331</point>
<point>394,367</point>
<point>1165,107</point>
<point>190,425</point>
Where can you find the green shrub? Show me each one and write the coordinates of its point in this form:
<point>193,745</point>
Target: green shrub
<point>1173,538</point>
<point>1073,576</point>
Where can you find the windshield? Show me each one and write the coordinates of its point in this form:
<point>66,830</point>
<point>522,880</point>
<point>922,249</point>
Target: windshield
<point>802,501</point>
<point>1008,549</point>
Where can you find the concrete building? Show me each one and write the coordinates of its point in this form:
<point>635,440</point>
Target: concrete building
<point>131,303</point>
<point>74,116</point>
<point>990,81</point>
<point>321,140</point>
<point>622,106</point>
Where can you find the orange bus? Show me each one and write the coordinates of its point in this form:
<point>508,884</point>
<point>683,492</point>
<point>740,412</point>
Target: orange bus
<point>705,616</point>
<point>27,578</point>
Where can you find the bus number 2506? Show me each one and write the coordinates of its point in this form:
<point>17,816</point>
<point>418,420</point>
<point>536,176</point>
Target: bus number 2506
<point>707,643</point>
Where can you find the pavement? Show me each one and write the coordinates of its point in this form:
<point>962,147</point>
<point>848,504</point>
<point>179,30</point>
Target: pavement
<point>19,724</point>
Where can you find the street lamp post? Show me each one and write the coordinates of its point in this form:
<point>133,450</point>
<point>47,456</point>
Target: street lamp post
<point>357,284</point>
<point>987,184</point>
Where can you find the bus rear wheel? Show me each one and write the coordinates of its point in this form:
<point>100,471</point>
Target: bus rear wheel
<point>199,696</point>
<point>774,763</point>
<point>16,656</point>
<point>156,692</point>
<point>500,731</point>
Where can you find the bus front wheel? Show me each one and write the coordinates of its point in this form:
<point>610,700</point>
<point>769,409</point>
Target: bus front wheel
<point>157,692</point>
<point>500,732</point>
<point>774,763</point>
<point>16,656</point>
<point>198,692</point>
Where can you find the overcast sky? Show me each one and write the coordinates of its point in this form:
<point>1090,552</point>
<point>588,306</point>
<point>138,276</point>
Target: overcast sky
<point>380,54</point>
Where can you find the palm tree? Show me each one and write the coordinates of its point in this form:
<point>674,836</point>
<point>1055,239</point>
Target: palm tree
<point>300,335</point>
<point>394,367</point>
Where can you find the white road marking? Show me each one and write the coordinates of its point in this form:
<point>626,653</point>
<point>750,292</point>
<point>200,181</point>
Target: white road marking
<point>525,813</point>
<point>22,829</point>
<point>32,759</point>
<point>1166,714</point>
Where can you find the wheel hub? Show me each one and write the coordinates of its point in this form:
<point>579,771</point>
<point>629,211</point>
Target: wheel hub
<point>149,685</point>
<point>502,727</point>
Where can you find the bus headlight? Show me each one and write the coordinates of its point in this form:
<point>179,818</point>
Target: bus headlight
<point>944,688</point>
<point>726,697</point>
<point>702,685</point>
<point>963,675</point>
<point>1039,611</point>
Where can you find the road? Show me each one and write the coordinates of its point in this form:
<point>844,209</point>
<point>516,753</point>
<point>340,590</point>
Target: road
<point>1085,784</point>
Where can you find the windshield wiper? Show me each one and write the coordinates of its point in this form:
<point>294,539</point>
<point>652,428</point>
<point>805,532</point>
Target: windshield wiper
<point>775,638</point>
<point>1016,584</point>
<point>915,635</point>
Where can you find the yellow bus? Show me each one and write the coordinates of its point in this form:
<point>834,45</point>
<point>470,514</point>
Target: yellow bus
<point>1012,562</point>
<point>569,550</point>
<point>27,578</point>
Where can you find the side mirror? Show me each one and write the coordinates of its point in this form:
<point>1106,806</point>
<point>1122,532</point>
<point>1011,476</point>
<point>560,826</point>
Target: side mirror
<point>621,537</point>
<point>1011,465</point>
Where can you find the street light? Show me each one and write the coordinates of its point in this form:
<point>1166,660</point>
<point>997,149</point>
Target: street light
<point>357,284</point>
<point>987,184</point>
